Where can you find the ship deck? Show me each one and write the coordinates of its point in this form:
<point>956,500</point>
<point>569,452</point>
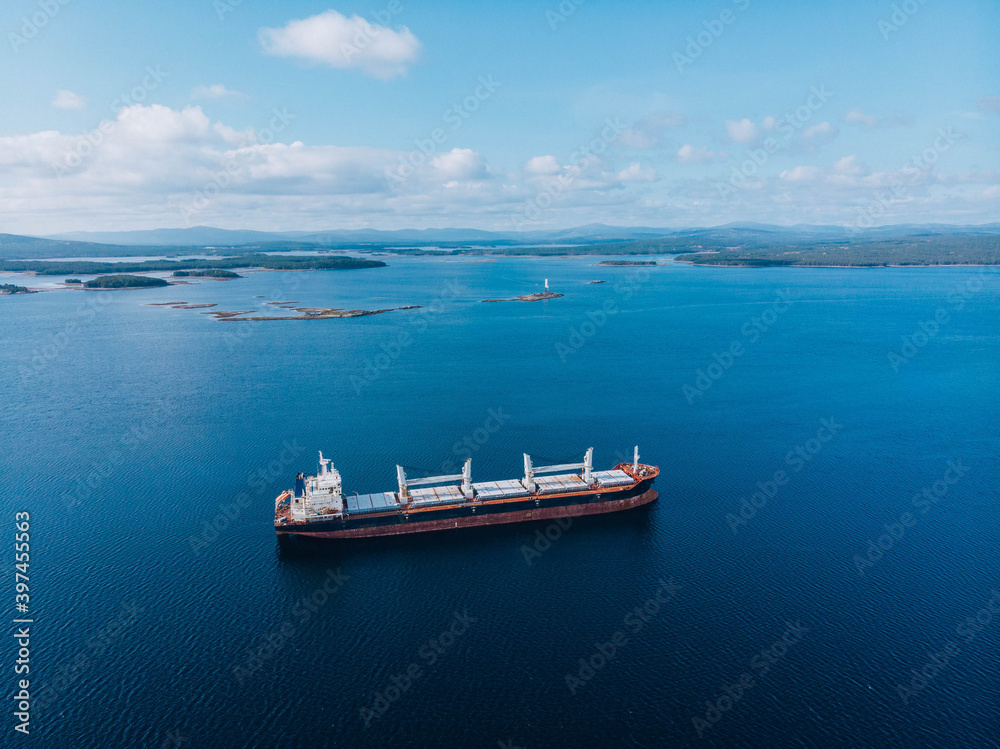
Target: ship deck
<point>427,499</point>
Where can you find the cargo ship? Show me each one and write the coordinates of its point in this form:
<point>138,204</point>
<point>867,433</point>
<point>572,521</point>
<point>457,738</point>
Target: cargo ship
<point>317,505</point>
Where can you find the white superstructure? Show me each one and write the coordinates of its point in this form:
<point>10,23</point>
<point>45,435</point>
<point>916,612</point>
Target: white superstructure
<point>318,495</point>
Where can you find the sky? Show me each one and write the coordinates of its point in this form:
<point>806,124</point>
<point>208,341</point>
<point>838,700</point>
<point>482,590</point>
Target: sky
<point>526,115</point>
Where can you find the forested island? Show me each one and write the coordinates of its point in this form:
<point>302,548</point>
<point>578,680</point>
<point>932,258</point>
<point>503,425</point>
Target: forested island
<point>265,262</point>
<point>930,251</point>
<point>124,281</point>
<point>749,245</point>
<point>207,273</point>
<point>627,262</point>
<point>9,288</point>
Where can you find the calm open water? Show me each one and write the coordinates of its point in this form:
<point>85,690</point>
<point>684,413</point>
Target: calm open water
<point>128,431</point>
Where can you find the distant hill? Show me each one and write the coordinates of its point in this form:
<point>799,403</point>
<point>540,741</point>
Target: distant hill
<point>403,236</point>
<point>590,239</point>
<point>208,236</point>
<point>198,236</point>
<point>15,246</point>
<point>194,236</point>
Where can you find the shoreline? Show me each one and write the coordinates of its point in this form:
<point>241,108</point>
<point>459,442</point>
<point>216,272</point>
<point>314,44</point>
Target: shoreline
<point>842,267</point>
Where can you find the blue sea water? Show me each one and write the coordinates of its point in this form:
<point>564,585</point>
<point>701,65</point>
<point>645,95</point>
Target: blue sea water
<point>148,444</point>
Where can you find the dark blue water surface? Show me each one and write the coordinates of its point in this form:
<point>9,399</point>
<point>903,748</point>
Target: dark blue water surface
<point>129,431</point>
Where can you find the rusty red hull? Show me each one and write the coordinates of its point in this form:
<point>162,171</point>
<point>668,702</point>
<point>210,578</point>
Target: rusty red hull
<point>513,516</point>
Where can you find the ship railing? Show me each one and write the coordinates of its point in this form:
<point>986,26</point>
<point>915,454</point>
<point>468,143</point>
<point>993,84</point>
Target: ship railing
<point>643,471</point>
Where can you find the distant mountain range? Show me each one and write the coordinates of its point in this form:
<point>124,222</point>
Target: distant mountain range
<point>201,236</point>
<point>208,235</point>
<point>616,239</point>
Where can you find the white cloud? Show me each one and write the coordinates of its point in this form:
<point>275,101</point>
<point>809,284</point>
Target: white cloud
<point>152,162</point>
<point>977,177</point>
<point>460,164</point>
<point>635,172</point>
<point>159,125</point>
<point>850,166</point>
<point>68,100</point>
<point>802,174</point>
<point>688,154</point>
<point>542,165</point>
<point>742,131</point>
<point>215,91</point>
<point>648,132</point>
<point>632,138</point>
<point>824,132</point>
<point>142,168</point>
<point>989,103</point>
<point>337,41</point>
<point>849,173</point>
<point>867,121</point>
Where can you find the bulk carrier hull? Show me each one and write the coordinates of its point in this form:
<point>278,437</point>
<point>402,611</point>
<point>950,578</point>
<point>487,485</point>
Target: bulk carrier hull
<point>410,511</point>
